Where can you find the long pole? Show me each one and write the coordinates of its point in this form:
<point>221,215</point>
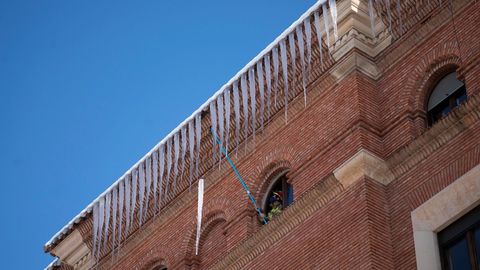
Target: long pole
<point>239,177</point>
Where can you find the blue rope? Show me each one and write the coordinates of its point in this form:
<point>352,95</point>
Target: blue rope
<point>238,175</point>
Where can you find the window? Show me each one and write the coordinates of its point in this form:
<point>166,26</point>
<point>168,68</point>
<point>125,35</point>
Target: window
<point>160,267</point>
<point>278,197</point>
<point>447,94</point>
<point>460,243</point>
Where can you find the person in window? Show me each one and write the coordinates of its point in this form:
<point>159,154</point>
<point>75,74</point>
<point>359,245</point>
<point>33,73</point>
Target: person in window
<point>276,205</point>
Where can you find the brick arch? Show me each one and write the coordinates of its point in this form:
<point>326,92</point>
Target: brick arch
<point>212,218</point>
<point>156,256</point>
<point>441,60</point>
<point>268,174</point>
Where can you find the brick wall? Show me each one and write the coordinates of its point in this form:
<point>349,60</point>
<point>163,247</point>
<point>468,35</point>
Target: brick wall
<point>365,226</point>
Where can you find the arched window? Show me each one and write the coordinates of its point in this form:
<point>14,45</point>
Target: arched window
<point>159,267</point>
<point>278,196</point>
<point>447,94</point>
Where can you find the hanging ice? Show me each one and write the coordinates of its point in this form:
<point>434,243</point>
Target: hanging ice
<point>293,57</point>
<point>191,145</point>
<point>161,159</point>
<point>226,102</point>
<point>134,196</point>
<point>199,213</point>
<point>253,100</point>
<point>114,215</point>
<point>236,109</point>
<point>198,127</point>
<point>325,21</point>
<point>268,75</point>
<point>184,147</point>
<point>128,195</point>
<point>169,167</point>
<point>213,120</point>
<point>308,36</point>
<point>155,180</point>
<point>148,184</point>
<point>101,216</point>
<point>108,202</point>
<point>301,50</point>
<point>176,153</point>
<point>121,200</point>
<point>96,216</point>
<point>243,85</point>
<point>372,18</point>
<point>275,73</point>
<point>333,12</point>
<point>141,191</point>
<point>221,127</point>
<point>283,51</point>
<point>261,91</point>
<point>319,34</point>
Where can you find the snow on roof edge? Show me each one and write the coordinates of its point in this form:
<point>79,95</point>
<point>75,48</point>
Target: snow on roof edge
<point>204,106</point>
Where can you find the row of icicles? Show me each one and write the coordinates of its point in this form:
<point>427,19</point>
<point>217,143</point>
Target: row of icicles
<point>154,179</point>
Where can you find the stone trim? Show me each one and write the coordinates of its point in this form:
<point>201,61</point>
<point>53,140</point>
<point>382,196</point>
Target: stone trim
<point>438,212</point>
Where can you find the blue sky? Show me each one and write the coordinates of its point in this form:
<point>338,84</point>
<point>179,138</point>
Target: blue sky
<point>88,87</point>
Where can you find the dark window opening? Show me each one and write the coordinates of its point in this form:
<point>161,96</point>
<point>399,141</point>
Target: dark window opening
<point>460,243</point>
<point>160,267</point>
<point>278,197</point>
<point>448,94</point>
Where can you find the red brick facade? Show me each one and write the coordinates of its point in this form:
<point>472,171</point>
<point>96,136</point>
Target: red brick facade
<point>365,225</point>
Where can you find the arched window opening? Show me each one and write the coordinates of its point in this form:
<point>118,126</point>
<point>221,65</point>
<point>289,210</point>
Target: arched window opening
<point>278,197</point>
<point>159,267</point>
<point>447,94</point>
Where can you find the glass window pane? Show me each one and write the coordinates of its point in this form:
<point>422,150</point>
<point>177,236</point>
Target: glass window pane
<point>457,256</point>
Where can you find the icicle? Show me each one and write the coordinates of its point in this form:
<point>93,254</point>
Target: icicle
<point>253,100</point>
<point>213,120</point>
<point>198,127</point>
<point>128,195</point>
<point>96,216</point>
<point>176,153</point>
<point>283,51</point>
<point>121,202</point>
<point>155,180</point>
<point>399,11</point>
<point>169,167</point>
<point>161,172</point>
<point>293,57</point>
<point>243,85</point>
<point>301,49</point>
<point>372,17</point>
<point>108,202</point>
<point>199,213</point>
<point>236,109</point>
<point>191,145</point>
<point>148,184</point>
<point>221,127</point>
<point>276,65</point>
<point>184,147</point>
<point>226,103</point>
<point>325,21</point>
<point>261,91</point>
<point>141,192</point>
<point>333,12</point>
<point>308,35</point>
<point>268,75</point>
<point>114,216</point>
<point>101,217</point>
<point>389,13</point>
<point>319,35</point>
<point>134,196</point>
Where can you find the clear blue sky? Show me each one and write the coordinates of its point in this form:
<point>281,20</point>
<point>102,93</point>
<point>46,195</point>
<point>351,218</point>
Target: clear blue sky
<point>88,87</point>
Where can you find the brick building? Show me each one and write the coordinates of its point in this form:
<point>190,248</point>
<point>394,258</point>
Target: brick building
<point>379,169</point>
